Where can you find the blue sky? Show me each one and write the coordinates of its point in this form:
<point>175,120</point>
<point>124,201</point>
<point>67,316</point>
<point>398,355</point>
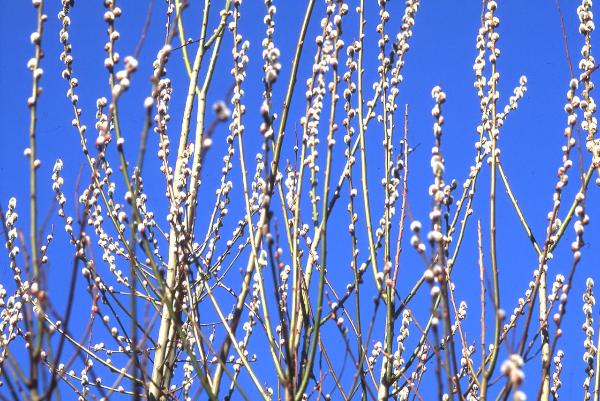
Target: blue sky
<point>442,53</point>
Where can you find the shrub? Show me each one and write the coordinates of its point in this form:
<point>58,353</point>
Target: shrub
<point>270,250</point>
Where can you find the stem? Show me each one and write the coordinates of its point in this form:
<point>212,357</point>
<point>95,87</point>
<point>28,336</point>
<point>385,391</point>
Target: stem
<point>161,377</point>
<point>218,375</point>
<point>363,146</point>
<point>34,351</point>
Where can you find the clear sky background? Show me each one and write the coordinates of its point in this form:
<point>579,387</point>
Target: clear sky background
<point>442,53</point>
